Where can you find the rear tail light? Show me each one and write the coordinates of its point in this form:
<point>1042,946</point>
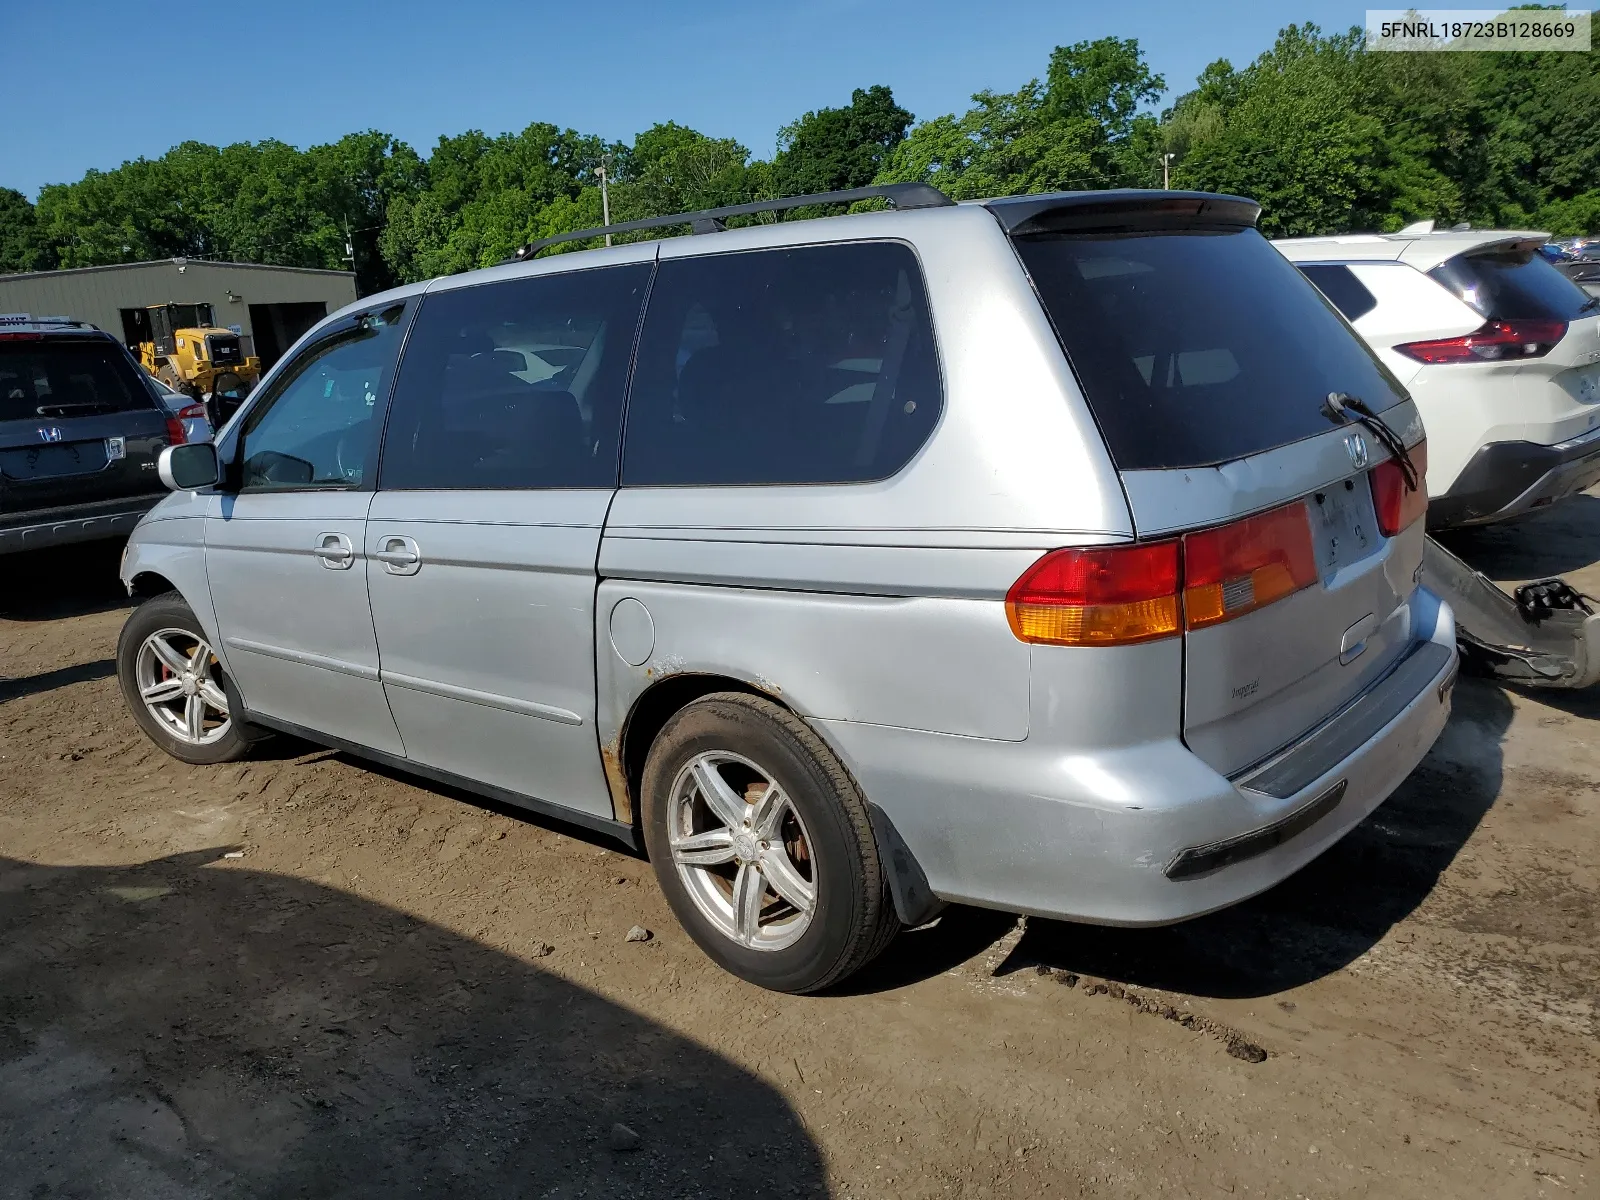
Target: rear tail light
<point>1239,568</point>
<point>1494,342</point>
<point>1396,504</point>
<point>1122,595</point>
<point>1098,596</point>
<point>192,412</point>
<point>175,435</point>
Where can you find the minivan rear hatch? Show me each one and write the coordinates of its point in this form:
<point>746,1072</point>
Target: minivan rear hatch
<point>77,425</point>
<point>1207,360</point>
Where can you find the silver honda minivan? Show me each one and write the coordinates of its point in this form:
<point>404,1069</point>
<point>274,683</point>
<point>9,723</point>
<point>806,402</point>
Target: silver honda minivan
<point>1057,554</point>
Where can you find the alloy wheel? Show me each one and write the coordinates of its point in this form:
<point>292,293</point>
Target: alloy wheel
<point>180,681</point>
<point>742,851</point>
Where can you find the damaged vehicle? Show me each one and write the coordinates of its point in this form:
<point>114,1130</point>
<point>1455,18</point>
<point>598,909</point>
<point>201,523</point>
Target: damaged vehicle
<point>1057,554</point>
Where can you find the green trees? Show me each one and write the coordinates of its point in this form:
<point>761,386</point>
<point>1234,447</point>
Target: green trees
<point>833,149</point>
<point>262,202</point>
<point>1080,128</point>
<point>1327,136</point>
<point>22,247</point>
<point>1331,138</point>
<point>1296,130</point>
<point>478,198</point>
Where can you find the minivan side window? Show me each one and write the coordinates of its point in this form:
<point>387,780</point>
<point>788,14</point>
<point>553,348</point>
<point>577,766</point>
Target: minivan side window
<point>516,384</point>
<point>807,365</point>
<point>316,428</point>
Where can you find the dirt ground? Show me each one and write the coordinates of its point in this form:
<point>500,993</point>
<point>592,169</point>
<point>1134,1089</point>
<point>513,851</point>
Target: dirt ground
<point>304,977</point>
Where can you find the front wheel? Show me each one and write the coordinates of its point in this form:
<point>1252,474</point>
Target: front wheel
<point>175,687</point>
<point>763,845</point>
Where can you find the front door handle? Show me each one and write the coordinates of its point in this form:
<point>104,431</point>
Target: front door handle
<point>335,551</point>
<point>399,555</point>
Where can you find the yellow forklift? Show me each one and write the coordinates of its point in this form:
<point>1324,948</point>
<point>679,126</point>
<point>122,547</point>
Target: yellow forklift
<point>182,345</point>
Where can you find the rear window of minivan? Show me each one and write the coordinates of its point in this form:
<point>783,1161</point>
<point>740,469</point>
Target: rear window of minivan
<point>68,377</point>
<point>1198,347</point>
<point>1514,285</point>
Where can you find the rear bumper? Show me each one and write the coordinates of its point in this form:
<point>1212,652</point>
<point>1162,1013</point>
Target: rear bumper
<point>1506,479</point>
<point>1148,834</point>
<point>78,523</point>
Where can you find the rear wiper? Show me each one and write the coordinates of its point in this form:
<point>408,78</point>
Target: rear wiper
<point>1591,302</point>
<point>1341,408</point>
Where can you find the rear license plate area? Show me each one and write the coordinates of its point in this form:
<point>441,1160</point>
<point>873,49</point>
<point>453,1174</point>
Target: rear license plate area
<point>51,462</point>
<point>1344,528</point>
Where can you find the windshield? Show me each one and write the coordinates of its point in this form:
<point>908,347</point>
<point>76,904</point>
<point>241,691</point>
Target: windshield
<point>1514,285</point>
<point>66,378</point>
<point>192,316</point>
<point>1198,347</point>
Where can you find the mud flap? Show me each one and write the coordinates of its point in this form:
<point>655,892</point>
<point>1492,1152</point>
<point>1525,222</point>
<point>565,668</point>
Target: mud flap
<point>1544,635</point>
<point>914,901</point>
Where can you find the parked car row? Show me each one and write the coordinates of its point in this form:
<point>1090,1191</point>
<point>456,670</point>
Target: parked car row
<point>1056,554</point>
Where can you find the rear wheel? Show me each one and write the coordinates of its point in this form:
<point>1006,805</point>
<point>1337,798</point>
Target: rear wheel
<point>763,845</point>
<point>175,687</point>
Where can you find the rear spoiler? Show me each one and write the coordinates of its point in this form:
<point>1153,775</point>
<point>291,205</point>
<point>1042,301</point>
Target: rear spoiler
<point>1512,241</point>
<point>1124,210</point>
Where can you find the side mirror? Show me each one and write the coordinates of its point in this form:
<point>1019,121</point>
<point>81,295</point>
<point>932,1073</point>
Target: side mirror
<point>189,466</point>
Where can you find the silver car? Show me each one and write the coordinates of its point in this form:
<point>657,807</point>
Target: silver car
<point>1055,554</point>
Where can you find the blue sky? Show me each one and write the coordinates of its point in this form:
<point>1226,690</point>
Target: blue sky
<point>106,85</point>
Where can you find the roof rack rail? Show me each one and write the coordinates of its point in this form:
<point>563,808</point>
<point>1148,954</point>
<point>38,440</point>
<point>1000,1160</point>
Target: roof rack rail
<point>713,220</point>
<point>15,319</point>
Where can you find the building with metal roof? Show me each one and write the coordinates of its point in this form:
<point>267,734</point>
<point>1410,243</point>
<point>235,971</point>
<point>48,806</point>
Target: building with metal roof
<point>268,306</point>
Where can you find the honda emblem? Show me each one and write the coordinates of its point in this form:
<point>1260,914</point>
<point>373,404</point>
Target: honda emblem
<point>1357,446</point>
<point>49,433</point>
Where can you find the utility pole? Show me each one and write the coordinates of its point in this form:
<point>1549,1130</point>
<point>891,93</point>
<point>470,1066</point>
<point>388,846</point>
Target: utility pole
<point>1166,172</point>
<point>605,195</point>
<point>349,247</point>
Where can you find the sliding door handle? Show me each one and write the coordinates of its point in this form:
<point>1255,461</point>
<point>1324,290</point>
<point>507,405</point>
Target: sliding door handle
<point>399,555</point>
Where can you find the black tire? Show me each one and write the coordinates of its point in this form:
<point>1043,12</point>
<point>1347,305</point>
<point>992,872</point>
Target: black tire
<point>854,916</point>
<point>168,612</point>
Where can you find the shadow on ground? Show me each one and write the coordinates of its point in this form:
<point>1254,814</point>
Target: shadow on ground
<point>1554,541</point>
<point>67,581</point>
<point>1314,923</point>
<point>191,1028</point>
<point>48,681</point>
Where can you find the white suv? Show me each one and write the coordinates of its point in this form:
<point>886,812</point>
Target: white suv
<point>1500,351</point>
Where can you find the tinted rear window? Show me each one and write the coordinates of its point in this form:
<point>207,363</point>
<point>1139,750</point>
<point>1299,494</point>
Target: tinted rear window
<point>1339,284</point>
<point>1511,286</point>
<point>77,378</point>
<point>811,365</point>
<point>1198,347</point>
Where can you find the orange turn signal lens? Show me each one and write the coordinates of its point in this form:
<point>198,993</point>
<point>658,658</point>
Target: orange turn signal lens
<point>1098,596</point>
<point>1247,565</point>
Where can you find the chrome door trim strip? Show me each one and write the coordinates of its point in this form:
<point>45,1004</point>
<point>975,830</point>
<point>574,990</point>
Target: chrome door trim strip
<point>303,658</point>
<point>450,691</point>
